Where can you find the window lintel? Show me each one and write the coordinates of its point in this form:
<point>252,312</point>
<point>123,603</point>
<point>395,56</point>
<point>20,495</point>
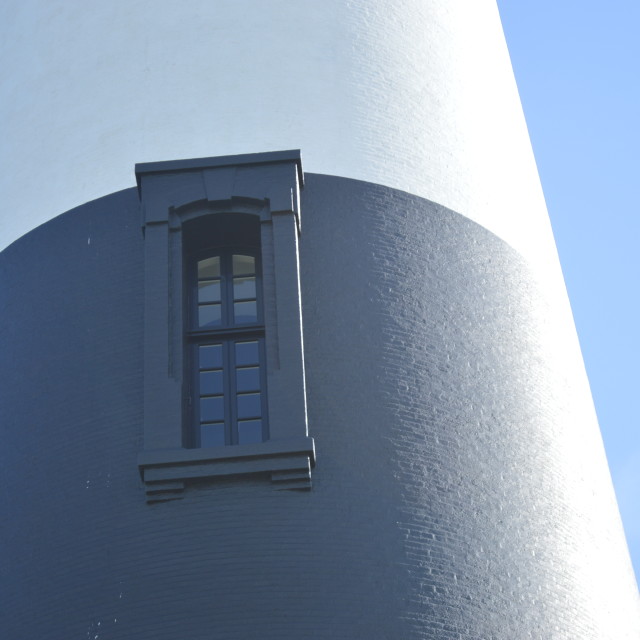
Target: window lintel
<point>268,181</point>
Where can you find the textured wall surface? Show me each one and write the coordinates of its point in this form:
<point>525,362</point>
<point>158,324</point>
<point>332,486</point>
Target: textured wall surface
<point>461,489</point>
<point>417,95</point>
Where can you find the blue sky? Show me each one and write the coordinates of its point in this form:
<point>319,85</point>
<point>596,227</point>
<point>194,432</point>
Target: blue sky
<point>577,64</point>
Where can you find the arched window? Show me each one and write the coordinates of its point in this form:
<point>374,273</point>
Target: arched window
<point>226,336</point>
<point>225,332</point>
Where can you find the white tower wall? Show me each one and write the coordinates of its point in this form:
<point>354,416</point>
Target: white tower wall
<point>417,95</point>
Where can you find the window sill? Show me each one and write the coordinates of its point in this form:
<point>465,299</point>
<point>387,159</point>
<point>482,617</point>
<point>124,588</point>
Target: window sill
<point>165,472</point>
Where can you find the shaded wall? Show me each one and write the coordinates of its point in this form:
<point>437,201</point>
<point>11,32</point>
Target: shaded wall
<point>460,489</point>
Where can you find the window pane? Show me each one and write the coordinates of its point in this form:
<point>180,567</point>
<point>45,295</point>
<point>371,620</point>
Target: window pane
<point>210,356</point>
<point>249,405</point>
<point>212,409</point>
<point>246,353</point>
<point>249,431</point>
<point>243,265</point>
<point>209,268</point>
<point>209,315</point>
<point>248,379</point>
<point>211,383</point>
<point>212,435</point>
<point>209,291</point>
<point>244,288</point>
<point>245,312</point>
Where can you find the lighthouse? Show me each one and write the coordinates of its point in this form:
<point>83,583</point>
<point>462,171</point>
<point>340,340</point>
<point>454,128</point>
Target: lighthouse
<point>286,351</point>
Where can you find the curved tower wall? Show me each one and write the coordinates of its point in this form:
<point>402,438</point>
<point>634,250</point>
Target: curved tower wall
<point>417,95</point>
<point>461,489</point>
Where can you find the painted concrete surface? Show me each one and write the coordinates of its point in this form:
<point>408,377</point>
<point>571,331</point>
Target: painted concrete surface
<point>417,95</point>
<point>460,492</point>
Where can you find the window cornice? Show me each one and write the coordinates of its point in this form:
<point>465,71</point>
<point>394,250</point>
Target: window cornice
<point>263,183</point>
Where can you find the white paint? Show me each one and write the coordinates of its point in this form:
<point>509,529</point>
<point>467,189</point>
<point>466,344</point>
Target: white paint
<point>416,95</point>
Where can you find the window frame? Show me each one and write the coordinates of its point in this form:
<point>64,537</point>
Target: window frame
<point>231,421</point>
<point>172,195</point>
<point>227,335</point>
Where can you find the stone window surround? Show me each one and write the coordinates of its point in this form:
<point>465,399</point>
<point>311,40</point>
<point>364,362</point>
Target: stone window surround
<point>266,185</point>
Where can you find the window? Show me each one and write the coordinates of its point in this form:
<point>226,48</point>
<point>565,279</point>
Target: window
<point>223,323</point>
<point>227,352</point>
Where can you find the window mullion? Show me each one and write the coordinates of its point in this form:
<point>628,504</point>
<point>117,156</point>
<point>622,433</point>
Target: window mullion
<point>232,404</point>
<point>228,290</point>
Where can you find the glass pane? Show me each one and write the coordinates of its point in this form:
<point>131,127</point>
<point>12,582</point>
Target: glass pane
<point>209,268</point>
<point>246,353</point>
<point>249,431</point>
<point>244,312</point>
<point>209,315</point>
<point>209,291</point>
<point>244,288</point>
<point>243,265</point>
<point>248,379</point>
<point>210,356</point>
<point>212,409</point>
<point>249,405</point>
<point>211,383</point>
<point>212,435</point>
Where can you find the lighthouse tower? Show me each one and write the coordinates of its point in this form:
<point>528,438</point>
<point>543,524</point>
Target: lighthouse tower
<point>286,351</point>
